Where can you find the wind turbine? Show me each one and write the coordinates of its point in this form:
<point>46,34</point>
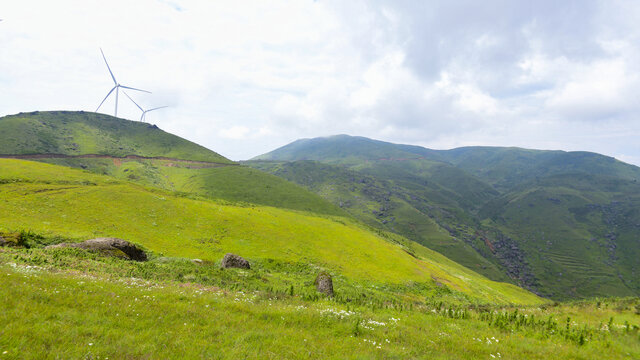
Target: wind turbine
<point>144,112</point>
<point>116,87</point>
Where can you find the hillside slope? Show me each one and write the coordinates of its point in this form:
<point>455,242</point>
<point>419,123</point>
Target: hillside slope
<point>561,223</point>
<point>380,203</point>
<point>81,133</point>
<point>140,152</point>
<point>76,204</point>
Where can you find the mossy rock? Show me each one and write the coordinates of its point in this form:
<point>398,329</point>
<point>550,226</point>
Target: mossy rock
<point>108,246</point>
<point>234,261</point>
<point>324,283</point>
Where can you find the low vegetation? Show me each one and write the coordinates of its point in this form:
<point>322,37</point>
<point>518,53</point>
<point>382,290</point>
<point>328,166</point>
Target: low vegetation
<point>58,201</point>
<point>182,208</point>
<point>72,304</point>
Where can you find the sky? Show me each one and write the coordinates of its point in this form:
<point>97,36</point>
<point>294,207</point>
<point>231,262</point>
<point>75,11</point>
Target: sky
<point>245,77</point>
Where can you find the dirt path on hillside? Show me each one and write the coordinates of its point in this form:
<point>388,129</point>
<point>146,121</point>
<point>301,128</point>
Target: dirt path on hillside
<point>166,161</point>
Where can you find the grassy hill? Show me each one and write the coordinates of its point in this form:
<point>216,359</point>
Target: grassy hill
<point>81,133</point>
<point>509,167</point>
<point>394,298</point>
<point>201,172</point>
<point>69,203</point>
<point>381,203</point>
<point>562,223</point>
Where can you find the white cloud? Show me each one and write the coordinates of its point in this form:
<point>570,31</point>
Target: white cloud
<point>245,77</point>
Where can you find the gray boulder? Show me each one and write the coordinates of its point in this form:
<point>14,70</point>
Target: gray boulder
<point>234,261</point>
<point>110,246</point>
<point>324,283</point>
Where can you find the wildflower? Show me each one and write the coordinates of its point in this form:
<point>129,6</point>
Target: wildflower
<point>493,356</point>
<point>90,344</point>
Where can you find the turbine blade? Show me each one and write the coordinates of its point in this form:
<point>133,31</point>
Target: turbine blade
<point>105,61</point>
<point>159,107</point>
<point>105,98</point>
<point>141,109</point>
<point>130,88</point>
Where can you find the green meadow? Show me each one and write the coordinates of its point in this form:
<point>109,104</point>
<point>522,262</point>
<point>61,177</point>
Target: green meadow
<point>50,313</point>
<point>54,200</point>
<point>395,298</point>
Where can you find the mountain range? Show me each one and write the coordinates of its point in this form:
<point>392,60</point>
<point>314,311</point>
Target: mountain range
<point>562,224</point>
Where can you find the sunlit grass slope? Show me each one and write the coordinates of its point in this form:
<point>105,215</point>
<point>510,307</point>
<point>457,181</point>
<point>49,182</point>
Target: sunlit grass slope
<point>69,315</point>
<point>81,133</point>
<point>62,201</point>
<point>48,315</point>
<point>231,183</point>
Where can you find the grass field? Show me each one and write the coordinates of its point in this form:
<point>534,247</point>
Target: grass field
<point>50,313</point>
<point>53,200</point>
<point>394,298</point>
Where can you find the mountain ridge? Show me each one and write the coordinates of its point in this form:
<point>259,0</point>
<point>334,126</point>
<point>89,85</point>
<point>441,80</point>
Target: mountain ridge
<point>484,196</point>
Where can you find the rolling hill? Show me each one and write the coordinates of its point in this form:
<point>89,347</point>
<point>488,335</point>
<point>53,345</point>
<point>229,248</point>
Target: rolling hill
<point>563,224</point>
<point>84,133</point>
<point>71,203</point>
<point>115,154</point>
<point>394,298</point>
<point>142,153</point>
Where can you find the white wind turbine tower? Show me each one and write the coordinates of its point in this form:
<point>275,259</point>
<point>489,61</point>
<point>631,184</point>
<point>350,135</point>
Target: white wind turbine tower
<point>116,87</point>
<point>144,112</point>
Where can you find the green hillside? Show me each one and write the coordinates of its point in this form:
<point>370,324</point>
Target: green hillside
<point>202,172</point>
<point>69,203</point>
<point>342,149</point>
<point>509,167</point>
<point>394,298</point>
<point>581,232</point>
<point>81,133</point>
<point>381,203</point>
<point>560,223</point>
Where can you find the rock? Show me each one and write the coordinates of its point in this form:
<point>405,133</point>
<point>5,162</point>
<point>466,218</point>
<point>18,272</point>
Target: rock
<point>324,284</point>
<point>235,261</point>
<point>197,261</point>
<point>110,246</point>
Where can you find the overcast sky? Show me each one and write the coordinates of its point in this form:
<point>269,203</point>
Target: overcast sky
<point>245,77</point>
